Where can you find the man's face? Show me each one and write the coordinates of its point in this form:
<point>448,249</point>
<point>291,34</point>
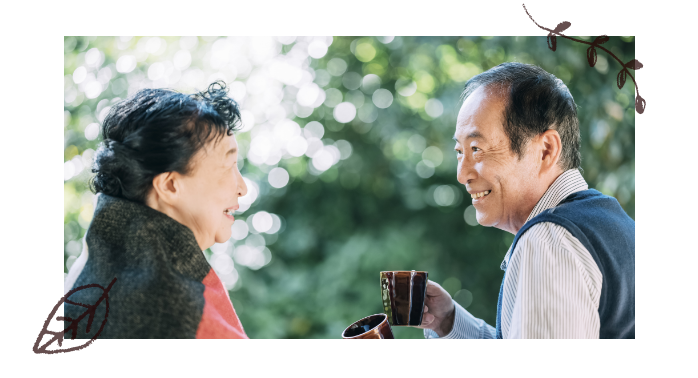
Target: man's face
<point>503,185</point>
<point>211,188</point>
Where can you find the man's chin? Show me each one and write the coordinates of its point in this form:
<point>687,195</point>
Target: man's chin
<point>484,221</point>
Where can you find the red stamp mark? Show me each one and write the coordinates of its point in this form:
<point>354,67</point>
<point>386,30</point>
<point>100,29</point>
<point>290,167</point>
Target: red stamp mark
<point>634,64</point>
<point>57,336</point>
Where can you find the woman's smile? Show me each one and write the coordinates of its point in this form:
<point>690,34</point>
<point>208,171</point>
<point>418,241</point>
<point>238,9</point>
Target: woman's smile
<point>229,213</point>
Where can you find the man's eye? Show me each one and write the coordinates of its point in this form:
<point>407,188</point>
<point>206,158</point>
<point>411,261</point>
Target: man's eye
<point>459,152</point>
<point>475,149</point>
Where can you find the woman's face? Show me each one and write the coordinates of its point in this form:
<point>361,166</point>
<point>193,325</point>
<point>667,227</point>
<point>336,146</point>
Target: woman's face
<point>210,192</point>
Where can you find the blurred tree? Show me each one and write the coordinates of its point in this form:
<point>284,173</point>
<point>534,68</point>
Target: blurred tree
<point>374,189</point>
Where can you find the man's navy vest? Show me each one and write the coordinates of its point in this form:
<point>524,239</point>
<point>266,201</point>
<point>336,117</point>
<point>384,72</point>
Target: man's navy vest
<point>608,233</point>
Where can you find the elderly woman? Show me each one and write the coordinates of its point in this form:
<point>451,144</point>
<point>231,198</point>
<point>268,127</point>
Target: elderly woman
<point>168,185</point>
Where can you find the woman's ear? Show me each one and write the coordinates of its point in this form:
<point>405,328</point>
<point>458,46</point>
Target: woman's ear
<point>165,188</point>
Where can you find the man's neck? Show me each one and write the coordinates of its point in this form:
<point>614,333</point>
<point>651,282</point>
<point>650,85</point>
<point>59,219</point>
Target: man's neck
<point>535,196</point>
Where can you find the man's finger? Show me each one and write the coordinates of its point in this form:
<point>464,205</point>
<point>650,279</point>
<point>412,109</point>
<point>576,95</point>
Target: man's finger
<point>433,288</point>
<point>427,319</point>
<point>426,309</point>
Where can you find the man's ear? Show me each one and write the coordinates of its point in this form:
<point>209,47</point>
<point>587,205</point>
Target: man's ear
<point>551,145</point>
<point>165,187</point>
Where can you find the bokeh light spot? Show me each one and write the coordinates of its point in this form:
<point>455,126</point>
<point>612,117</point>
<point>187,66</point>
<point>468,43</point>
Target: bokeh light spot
<point>317,49</point>
<point>444,195</point>
<point>262,221</point>
<point>239,230</point>
<point>336,66</point>
<point>297,146</point>
<point>344,148</point>
<point>79,75</point>
<point>92,131</point>
<point>434,155</point>
<point>323,160</point>
<point>344,112</point>
<point>424,169</point>
<point>365,51</point>
<point>434,108</point>
<point>405,87</point>
<point>278,177</point>
<point>464,298</point>
<point>182,59</point>
<point>416,143</point>
<point>382,98</point>
<point>126,63</point>
<point>351,80</point>
<point>370,83</point>
<point>314,129</point>
<point>470,216</point>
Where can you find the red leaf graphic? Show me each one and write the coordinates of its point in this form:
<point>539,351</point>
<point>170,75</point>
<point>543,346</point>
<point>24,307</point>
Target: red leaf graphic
<point>634,64</point>
<point>640,104</point>
<point>620,79</point>
<point>600,40</point>
<point>562,27</point>
<point>591,56</point>
<point>552,42</point>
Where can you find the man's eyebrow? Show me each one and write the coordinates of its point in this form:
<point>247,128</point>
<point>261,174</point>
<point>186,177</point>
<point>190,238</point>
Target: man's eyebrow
<point>476,135</point>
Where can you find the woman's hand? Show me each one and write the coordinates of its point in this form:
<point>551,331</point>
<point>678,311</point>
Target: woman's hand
<point>439,310</point>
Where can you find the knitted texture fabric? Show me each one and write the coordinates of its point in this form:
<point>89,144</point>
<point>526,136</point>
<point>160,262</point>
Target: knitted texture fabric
<point>165,288</point>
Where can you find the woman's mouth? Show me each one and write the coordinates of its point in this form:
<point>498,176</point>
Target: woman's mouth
<point>229,213</point>
<point>480,194</point>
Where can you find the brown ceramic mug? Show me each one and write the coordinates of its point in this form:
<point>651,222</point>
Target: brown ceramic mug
<point>370,327</point>
<point>403,293</point>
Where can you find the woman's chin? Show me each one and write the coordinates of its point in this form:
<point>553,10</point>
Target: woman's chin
<point>223,237</point>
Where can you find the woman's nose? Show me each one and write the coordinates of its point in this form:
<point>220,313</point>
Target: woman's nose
<point>242,186</point>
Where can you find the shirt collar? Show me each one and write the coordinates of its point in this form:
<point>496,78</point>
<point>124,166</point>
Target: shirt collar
<point>570,181</point>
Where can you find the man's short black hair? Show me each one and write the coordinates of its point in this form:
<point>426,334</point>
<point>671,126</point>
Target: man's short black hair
<point>535,101</point>
<point>156,131</point>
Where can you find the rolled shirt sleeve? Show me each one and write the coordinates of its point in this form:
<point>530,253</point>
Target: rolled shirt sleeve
<point>465,326</point>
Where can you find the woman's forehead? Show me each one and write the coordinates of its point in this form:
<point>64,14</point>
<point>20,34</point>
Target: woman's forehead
<point>223,145</point>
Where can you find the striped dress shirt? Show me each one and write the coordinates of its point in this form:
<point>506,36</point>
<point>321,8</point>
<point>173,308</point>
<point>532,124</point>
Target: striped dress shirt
<point>552,285</point>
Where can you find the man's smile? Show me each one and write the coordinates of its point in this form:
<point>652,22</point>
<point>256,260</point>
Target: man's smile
<point>480,194</point>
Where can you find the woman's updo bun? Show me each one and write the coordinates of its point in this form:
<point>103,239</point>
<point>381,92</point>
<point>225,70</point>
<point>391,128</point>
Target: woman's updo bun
<point>156,131</point>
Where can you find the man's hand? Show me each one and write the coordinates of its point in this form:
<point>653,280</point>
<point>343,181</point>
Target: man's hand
<point>439,311</point>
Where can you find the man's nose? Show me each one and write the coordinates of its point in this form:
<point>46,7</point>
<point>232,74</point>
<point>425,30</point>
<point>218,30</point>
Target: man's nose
<point>466,171</point>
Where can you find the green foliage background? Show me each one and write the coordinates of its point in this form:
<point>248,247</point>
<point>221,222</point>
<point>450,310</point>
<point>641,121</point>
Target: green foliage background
<point>372,211</point>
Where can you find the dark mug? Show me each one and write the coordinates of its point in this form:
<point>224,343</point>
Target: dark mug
<point>370,327</point>
<point>403,293</point>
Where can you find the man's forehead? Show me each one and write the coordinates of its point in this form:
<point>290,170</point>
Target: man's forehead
<point>468,131</point>
<point>479,116</point>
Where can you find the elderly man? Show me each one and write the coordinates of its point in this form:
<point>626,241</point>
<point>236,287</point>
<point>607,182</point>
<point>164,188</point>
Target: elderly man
<point>570,272</point>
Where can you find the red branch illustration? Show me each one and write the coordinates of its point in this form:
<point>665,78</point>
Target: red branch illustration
<point>591,56</point>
